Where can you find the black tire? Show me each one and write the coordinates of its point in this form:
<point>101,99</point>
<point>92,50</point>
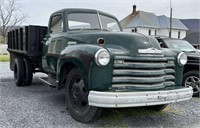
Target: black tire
<point>156,107</point>
<point>77,99</point>
<point>192,79</point>
<point>28,72</point>
<point>19,72</point>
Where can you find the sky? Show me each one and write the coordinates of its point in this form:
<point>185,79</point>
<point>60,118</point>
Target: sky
<point>38,11</point>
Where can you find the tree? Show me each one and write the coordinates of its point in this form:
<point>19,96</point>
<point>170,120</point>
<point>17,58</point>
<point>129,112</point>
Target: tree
<point>11,15</point>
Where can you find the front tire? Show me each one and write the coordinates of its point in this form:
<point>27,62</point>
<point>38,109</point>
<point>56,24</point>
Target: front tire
<point>192,79</point>
<point>77,99</point>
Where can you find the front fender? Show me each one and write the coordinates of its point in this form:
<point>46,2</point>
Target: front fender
<point>178,69</point>
<point>82,56</point>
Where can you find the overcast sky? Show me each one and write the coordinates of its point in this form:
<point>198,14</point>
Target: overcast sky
<point>39,10</point>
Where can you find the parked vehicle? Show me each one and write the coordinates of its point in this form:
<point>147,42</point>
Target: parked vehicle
<point>191,75</point>
<point>198,50</point>
<point>86,53</point>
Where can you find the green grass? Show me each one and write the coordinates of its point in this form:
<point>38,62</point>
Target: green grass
<point>4,58</point>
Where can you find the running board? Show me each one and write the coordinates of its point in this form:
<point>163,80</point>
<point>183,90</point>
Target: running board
<point>49,81</point>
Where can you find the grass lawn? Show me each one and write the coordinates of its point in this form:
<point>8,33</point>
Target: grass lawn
<point>4,58</point>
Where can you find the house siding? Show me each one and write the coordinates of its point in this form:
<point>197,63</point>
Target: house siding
<point>149,24</point>
<point>159,32</point>
<point>175,34</point>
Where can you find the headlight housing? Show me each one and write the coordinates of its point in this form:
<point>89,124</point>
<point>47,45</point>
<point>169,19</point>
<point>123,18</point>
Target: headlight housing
<point>102,57</point>
<point>182,58</point>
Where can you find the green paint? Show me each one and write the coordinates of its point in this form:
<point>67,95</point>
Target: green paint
<point>78,48</point>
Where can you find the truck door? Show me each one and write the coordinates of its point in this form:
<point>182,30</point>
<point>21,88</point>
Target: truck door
<point>53,45</point>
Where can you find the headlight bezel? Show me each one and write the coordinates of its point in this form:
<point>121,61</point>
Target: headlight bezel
<point>180,56</point>
<point>98,57</point>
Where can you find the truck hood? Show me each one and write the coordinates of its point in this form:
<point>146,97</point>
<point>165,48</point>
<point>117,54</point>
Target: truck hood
<point>116,42</point>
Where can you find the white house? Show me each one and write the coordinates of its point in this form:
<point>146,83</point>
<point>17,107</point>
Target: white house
<point>150,24</point>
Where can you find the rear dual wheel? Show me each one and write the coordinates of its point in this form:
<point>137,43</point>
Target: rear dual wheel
<point>19,72</point>
<point>28,72</point>
<point>23,72</point>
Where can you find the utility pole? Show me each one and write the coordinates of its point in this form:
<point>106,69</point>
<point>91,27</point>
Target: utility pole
<point>170,27</point>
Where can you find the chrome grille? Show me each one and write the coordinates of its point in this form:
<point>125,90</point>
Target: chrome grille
<point>145,72</point>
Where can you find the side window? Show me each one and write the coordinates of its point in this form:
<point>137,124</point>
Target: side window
<point>179,34</point>
<point>56,24</point>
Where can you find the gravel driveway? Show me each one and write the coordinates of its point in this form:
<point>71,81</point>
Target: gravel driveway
<point>41,106</point>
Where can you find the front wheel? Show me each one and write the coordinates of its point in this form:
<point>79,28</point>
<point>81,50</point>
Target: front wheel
<point>192,79</point>
<point>77,98</point>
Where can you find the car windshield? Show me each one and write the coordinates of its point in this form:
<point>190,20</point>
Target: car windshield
<point>91,21</point>
<point>182,45</point>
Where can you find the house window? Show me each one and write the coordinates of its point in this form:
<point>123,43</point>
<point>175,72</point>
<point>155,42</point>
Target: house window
<point>149,32</point>
<point>179,34</point>
<point>155,32</point>
<point>134,30</point>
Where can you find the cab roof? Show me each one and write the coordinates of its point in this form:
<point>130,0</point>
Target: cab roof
<point>74,10</point>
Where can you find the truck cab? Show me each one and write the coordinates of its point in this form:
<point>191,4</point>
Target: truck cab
<point>85,52</point>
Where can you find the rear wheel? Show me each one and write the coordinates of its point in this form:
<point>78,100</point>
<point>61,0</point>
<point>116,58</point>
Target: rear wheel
<point>77,99</point>
<point>156,107</point>
<point>19,72</point>
<point>192,79</point>
<point>28,72</point>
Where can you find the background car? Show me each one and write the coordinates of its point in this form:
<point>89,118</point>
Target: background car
<point>198,50</point>
<point>191,75</point>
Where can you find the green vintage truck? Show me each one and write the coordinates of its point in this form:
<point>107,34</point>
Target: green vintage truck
<point>85,52</point>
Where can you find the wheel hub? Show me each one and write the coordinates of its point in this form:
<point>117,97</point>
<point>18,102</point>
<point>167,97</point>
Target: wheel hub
<point>194,82</point>
<point>78,94</point>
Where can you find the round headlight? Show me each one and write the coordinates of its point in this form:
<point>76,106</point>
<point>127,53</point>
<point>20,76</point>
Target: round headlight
<point>102,57</point>
<point>182,58</point>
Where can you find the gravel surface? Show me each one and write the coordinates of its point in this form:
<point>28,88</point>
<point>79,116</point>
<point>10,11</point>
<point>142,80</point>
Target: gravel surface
<point>41,106</point>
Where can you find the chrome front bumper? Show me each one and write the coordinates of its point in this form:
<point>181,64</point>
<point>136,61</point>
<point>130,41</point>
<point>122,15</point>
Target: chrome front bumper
<point>136,99</point>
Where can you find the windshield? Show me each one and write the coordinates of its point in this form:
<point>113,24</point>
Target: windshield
<point>90,21</point>
<point>180,44</point>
